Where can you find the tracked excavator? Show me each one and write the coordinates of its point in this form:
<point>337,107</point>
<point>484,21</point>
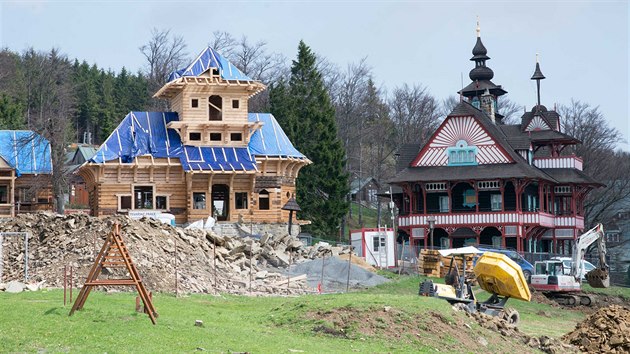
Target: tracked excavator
<point>495,273</point>
<point>552,280</point>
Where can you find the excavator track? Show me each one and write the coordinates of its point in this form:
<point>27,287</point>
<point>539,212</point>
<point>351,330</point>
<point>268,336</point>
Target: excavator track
<point>571,299</point>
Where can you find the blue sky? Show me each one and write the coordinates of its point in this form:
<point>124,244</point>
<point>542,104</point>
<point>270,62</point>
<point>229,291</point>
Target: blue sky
<point>583,45</point>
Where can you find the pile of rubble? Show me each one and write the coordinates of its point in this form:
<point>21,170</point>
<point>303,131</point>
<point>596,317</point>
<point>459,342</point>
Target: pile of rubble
<point>605,331</point>
<point>200,260</point>
<point>497,324</point>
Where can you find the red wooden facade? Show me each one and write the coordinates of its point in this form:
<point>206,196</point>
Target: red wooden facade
<point>486,182</point>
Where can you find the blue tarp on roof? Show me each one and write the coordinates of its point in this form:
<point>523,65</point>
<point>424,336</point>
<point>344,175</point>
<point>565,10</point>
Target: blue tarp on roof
<point>146,133</point>
<point>271,140</point>
<point>141,133</point>
<point>217,159</point>
<point>209,58</point>
<point>25,151</point>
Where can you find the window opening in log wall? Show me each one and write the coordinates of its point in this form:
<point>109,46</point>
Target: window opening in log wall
<point>199,200</point>
<point>240,200</point>
<point>263,200</point>
<point>215,107</point>
<point>143,197</point>
<point>194,136</point>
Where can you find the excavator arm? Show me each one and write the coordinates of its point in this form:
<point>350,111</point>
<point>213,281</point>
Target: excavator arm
<point>597,278</point>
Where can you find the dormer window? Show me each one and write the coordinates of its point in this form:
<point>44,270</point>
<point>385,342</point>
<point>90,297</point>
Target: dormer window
<point>215,72</point>
<point>215,107</point>
<point>462,154</point>
<point>235,104</point>
<point>194,103</point>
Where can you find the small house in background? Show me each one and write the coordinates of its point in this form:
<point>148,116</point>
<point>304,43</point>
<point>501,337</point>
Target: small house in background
<point>376,246</point>
<point>209,156</point>
<point>364,190</point>
<point>25,169</point>
<point>78,195</point>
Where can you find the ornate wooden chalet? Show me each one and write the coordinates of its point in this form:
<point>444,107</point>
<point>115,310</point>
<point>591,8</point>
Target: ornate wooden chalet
<point>209,156</point>
<point>25,168</point>
<point>485,182</point>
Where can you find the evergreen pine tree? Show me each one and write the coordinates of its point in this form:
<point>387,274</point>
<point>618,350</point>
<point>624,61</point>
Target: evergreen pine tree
<point>304,109</point>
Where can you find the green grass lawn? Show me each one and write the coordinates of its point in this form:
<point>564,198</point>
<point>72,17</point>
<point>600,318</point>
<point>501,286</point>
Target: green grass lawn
<point>387,318</point>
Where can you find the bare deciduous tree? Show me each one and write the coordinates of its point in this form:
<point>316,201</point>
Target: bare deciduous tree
<point>601,162</point>
<point>414,113</point>
<point>253,60</point>
<point>52,105</point>
<point>164,54</point>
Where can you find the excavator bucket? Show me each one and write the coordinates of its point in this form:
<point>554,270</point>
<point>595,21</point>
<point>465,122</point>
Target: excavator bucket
<point>498,274</point>
<point>598,278</point>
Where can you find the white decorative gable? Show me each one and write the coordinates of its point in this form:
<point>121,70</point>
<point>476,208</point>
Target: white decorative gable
<point>537,123</point>
<point>461,129</point>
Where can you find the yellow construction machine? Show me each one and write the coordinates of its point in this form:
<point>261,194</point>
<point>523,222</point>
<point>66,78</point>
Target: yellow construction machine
<point>495,273</point>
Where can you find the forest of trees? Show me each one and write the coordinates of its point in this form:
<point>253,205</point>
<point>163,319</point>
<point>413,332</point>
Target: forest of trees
<point>69,100</point>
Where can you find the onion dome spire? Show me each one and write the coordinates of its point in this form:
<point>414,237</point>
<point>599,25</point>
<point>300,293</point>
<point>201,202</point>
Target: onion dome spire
<point>480,71</point>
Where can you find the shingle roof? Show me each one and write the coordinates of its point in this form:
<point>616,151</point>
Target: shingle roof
<point>550,116</point>
<point>549,135</point>
<point>570,175</point>
<point>515,137</point>
<point>454,173</point>
<point>476,88</point>
<point>406,154</point>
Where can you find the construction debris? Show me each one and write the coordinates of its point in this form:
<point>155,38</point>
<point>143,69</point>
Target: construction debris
<point>605,331</point>
<point>497,324</point>
<point>200,260</point>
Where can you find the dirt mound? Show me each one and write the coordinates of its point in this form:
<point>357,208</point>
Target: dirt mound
<point>202,260</point>
<point>606,330</point>
<point>543,343</point>
<point>425,329</point>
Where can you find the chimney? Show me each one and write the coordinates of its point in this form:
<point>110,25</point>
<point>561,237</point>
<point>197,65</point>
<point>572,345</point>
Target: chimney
<point>487,105</point>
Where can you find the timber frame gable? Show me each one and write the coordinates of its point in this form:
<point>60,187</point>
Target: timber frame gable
<point>467,130</point>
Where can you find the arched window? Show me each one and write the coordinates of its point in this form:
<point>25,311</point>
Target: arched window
<point>263,200</point>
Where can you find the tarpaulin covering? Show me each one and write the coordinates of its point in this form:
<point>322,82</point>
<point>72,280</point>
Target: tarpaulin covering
<point>271,140</point>
<point>141,133</point>
<point>209,58</point>
<point>25,151</point>
<point>146,133</point>
<point>217,159</point>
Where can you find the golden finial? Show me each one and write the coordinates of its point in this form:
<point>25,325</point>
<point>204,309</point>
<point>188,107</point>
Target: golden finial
<point>478,28</point>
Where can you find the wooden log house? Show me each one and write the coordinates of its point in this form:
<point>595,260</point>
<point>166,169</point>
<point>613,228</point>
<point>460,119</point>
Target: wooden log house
<point>482,181</point>
<point>207,157</point>
<point>25,169</point>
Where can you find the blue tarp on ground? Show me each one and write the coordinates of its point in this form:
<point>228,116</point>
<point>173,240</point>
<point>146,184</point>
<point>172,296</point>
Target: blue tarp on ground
<point>209,58</point>
<point>146,133</point>
<point>25,151</point>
